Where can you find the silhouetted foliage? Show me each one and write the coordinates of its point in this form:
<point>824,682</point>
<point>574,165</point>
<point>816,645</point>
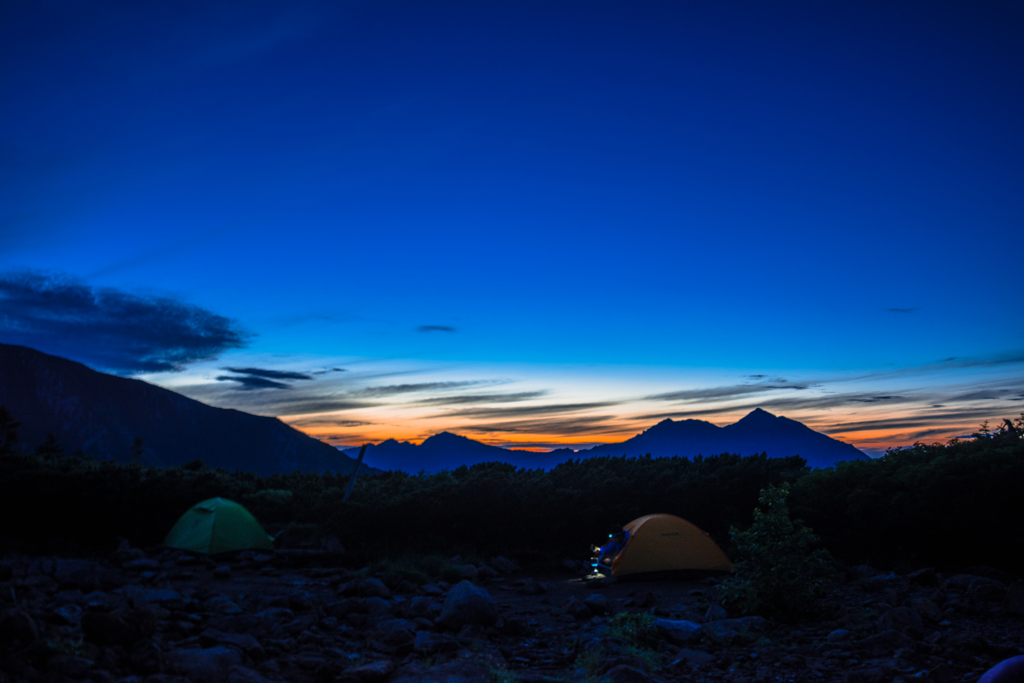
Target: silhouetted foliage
<point>958,503</point>
<point>50,447</point>
<point>8,431</point>
<point>779,572</point>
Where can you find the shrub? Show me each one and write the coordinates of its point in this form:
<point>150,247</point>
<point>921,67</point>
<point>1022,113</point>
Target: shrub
<point>635,629</point>
<point>777,571</point>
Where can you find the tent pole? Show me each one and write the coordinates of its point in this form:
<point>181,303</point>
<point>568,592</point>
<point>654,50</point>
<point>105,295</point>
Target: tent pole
<point>352,479</point>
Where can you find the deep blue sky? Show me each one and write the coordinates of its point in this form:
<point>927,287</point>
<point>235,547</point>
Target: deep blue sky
<point>593,202</point>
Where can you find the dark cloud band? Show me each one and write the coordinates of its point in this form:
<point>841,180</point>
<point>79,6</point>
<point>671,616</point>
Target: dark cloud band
<point>110,329</point>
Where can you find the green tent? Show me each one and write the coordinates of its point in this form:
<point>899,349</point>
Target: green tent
<point>216,526</point>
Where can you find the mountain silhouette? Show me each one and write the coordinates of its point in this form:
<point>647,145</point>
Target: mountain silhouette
<point>758,432</point>
<point>102,415</point>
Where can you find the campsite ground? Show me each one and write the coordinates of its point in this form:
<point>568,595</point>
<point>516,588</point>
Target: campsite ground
<point>164,616</point>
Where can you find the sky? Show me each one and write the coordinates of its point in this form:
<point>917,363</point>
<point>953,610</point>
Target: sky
<point>533,224</point>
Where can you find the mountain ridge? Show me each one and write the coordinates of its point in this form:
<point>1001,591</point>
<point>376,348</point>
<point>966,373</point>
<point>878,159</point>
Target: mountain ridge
<point>758,431</point>
<point>102,414</point>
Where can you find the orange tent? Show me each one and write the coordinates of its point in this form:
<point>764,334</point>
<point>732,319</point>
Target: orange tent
<point>659,543</point>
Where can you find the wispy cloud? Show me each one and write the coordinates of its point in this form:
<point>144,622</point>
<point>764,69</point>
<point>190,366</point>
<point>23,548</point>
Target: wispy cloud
<point>726,392</point>
<point>435,328</point>
<point>517,411</point>
<point>108,328</point>
<point>395,389</point>
<point>482,398</point>
<point>903,310</point>
<point>270,374</point>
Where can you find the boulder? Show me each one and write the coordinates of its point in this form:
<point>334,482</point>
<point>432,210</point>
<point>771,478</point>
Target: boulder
<point>715,613</point>
<point>693,658</point>
<point>838,636</point>
<point>924,577</point>
<point>735,631</point>
<point>577,610</point>
<point>114,628</point>
<point>366,588</point>
<point>469,670</point>
<point>427,643</point>
<point>241,674</point>
<point>598,604</point>
<point>422,607</point>
<point>368,673</point>
<point>467,604</point>
<point>244,642</point>
<point>210,664</point>
<point>1013,602</point>
<point>1007,671</point>
<point>926,608</point>
<point>902,619</point>
<point>886,641</point>
<point>623,673</point>
<point>503,565</point>
<point>69,666</point>
<point>395,633</point>
<point>18,625</point>
<point>679,631</point>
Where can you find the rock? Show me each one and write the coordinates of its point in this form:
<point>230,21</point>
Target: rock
<point>276,614</point>
<point>693,658</point>
<point>142,565</point>
<point>503,565</point>
<point>431,589</point>
<point>532,587</point>
<point>469,572</point>
<point>880,582</point>
<point>244,642</point>
<point>459,671</point>
<point>887,641</point>
<point>396,633</point>
<point>926,608</point>
<point>241,674</point>
<point>987,592</point>
<point>110,628</point>
<point>366,588</point>
<point>627,674</point>
<point>368,673</point>
<point>598,604</point>
<point>991,573</point>
<point>902,619</point>
<point>77,573</point>
<point>838,636</point>
<point>18,625</point>
<point>735,631</point>
<point>427,643</point>
<point>716,613</point>
<point>376,608</point>
<point>210,664</point>
<point>147,658</point>
<point>69,665</point>
<point>577,610</point>
<point>467,604</point>
<point>882,673</point>
<point>1013,602</point>
<point>67,615</point>
<point>1007,671</point>
<point>222,572</point>
<point>924,577</point>
<point>422,607</point>
<point>516,626</point>
<point>679,631</point>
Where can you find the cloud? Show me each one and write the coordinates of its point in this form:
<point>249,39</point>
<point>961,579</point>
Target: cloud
<point>903,310</point>
<point>435,328</point>
<point>394,389</point>
<point>108,328</point>
<point>271,374</point>
<point>586,424</point>
<point>727,392</point>
<point>482,398</point>
<point>248,382</point>
<point>552,409</point>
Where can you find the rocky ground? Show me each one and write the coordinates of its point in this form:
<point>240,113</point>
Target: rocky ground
<point>295,615</point>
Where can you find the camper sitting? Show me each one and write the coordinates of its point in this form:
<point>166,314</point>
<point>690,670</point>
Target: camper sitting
<point>606,553</point>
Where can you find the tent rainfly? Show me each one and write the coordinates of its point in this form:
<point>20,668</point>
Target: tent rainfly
<point>216,526</point>
<point>663,543</point>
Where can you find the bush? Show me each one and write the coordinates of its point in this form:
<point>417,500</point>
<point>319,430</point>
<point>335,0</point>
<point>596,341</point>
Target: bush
<point>777,573</point>
<point>636,629</point>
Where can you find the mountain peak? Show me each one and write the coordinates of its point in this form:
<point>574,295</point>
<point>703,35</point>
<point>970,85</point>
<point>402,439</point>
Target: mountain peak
<point>758,415</point>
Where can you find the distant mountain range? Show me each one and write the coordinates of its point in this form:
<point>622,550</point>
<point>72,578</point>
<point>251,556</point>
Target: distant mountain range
<point>102,415</point>
<point>758,432</point>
